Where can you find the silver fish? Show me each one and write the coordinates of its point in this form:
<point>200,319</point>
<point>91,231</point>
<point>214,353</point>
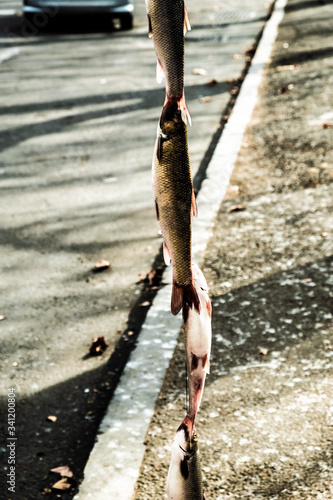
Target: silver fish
<point>198,339</point>
<point>184,480</point>
<point>168,22</point>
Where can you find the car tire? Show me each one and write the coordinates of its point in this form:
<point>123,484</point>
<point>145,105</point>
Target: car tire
<point>126,22</point>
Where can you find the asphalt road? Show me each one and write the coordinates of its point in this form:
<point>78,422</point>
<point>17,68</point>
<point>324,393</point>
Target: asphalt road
<point>79,107</point>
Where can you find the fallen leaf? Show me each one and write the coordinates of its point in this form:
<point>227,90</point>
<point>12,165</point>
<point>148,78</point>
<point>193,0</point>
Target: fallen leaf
<point>237,208</point>
<point>211,82</point>
<point>288,67</point>
<point>234,91</point>
<point>145,303</point>
<point>63,470</point>
<point>205,99</point>
<point>327,125</point>
<point>101,265</point>
<point>151,276</point>
<point>98,346</point>
<point>199,71</point>
<point>62,484</point>
<point>52,418</point>
<point>283,90</point>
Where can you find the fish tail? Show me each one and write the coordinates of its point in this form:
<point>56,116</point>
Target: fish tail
<point>184,295</point>
<point>171,106</point>
<point>188,426</point>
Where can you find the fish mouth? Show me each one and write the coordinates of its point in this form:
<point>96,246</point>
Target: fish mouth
<point>190,436</point>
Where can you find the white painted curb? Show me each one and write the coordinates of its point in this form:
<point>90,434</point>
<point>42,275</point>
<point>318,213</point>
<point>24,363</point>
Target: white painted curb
<point>114,463</point>
<point>8,54</point>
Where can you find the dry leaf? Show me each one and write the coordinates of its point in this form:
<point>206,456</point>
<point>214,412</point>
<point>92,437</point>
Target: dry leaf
<point>327,125</point>
<point>63,470</point>
<point>199,71</point>
<point>98,346</point>
<point>288,67</point>
<point>52,418</point>
<point>101,265</point>
<point>237,208</point>
<point>283,90</point>
<point>145,303</point>
<point>211,82</point>
<point>62,484</point>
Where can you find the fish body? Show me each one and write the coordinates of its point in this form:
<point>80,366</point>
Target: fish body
<point>175,204</point>
<point>198,338</point>
<point>168,22</point>
<point>184,480</point>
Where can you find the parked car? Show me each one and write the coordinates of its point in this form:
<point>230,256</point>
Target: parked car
<point>36,11</point>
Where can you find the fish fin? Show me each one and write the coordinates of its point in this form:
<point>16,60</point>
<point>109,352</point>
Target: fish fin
<point>183,296</point>
<point>187,26</point>
<point>190,297</point>
<point>150,28</point>
<point>209,308</point>
<point>194,207</point>
<point>159,72</point>
<point>186,117</point>
<point>157,212</point>
<point>206,363</point>
<point>166,255</point>
<point>176,298</point>
<point>159,147</point>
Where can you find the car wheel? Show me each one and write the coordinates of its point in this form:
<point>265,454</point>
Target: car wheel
<point>126,22</point>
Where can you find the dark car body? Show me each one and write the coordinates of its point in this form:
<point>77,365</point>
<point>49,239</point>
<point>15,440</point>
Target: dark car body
<point>33,10</point>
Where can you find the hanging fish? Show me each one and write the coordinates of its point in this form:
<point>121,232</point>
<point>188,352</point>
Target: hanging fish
<point>175,204</point>
<point>168,22</point>
<point>198,339</point>
<point>184,480</point>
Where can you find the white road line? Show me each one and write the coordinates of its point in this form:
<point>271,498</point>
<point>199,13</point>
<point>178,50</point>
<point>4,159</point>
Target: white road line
<point>8,54</point>
<point>114,463</point>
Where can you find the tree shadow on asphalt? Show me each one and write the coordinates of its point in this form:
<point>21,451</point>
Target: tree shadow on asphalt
<point>148,99</point>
